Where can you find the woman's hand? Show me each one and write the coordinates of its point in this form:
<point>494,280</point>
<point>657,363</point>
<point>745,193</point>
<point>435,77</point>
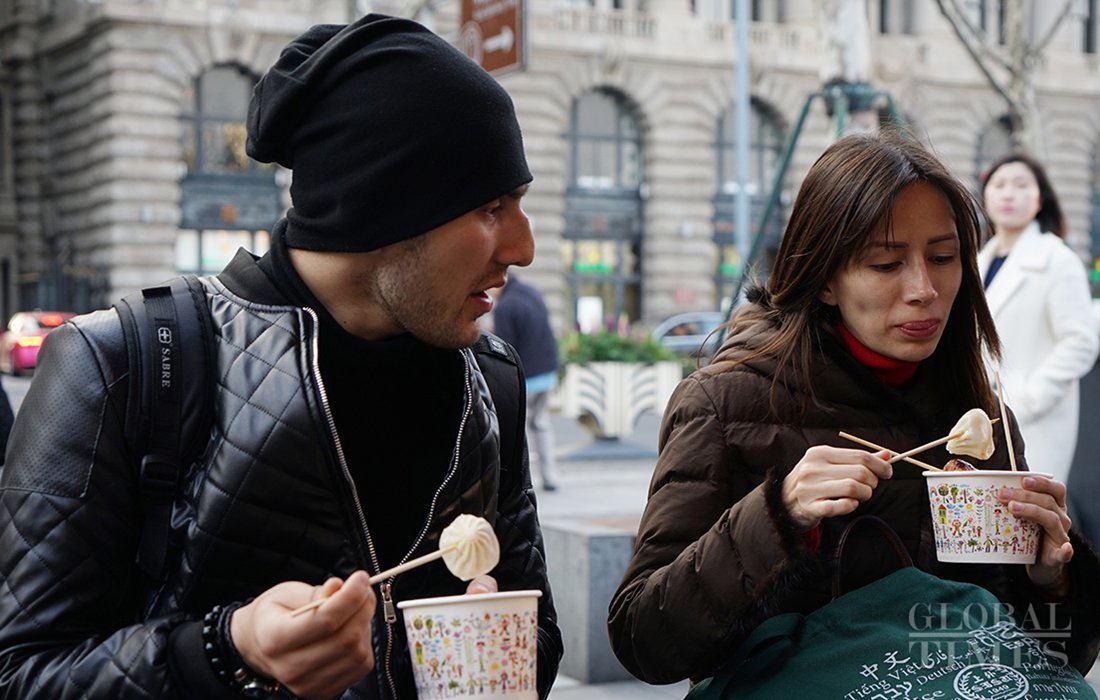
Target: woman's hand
<point>1043,502</point>
<point>318,655</point>
<point>832,481</point>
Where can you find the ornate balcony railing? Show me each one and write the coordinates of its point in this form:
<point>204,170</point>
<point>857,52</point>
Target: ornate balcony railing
<point>614,22</point>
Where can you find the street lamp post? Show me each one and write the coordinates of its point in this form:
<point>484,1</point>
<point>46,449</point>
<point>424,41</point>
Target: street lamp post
<point>741,140</point>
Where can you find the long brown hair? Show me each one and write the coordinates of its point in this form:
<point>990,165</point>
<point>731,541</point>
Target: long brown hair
<point>846,196</point>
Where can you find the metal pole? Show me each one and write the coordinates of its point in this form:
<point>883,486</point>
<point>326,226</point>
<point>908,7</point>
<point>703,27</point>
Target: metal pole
<point>841,102</point>
<point>773,196</point>
<point>741,139</point>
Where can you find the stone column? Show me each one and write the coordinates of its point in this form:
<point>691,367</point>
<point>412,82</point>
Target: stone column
<point>847,39</point>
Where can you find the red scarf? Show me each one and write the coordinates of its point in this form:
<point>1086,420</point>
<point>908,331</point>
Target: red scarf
<point>888,370</point>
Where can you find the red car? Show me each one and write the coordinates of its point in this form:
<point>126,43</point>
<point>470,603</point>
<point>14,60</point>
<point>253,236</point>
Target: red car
<point>20,343</point>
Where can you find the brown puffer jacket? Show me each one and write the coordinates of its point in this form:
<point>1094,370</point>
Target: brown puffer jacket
<point>717,552</point>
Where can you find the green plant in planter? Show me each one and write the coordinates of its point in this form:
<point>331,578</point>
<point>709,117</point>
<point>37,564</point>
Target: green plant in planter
<point>609,379</point>
<point>605,346</point>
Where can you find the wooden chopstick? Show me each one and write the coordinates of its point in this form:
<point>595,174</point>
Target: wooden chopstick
<point>873,446</point>
<point>906,456</point>
<point>383,575</point>
<point>1008,435</point>
<point>924,447</point>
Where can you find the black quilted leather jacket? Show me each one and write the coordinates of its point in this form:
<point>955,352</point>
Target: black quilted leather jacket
<point>269,500</point>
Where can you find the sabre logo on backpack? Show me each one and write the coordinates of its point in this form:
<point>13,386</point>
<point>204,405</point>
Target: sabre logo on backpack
<point>166,367</point>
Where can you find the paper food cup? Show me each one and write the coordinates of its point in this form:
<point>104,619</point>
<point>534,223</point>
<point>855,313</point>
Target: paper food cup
<point>482,645</point>
<point>971,523</point>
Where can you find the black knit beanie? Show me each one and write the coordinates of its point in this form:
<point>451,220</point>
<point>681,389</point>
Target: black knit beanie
<point>390,132</point>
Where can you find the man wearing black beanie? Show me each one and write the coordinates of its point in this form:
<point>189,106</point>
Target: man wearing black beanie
<point>359,410</point>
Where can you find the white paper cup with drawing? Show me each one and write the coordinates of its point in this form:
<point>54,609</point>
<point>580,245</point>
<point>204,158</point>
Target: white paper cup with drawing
<point>481,645</point>
<point>972,524</point>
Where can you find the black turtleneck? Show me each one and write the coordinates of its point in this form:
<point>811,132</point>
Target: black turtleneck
<point>397,404</point>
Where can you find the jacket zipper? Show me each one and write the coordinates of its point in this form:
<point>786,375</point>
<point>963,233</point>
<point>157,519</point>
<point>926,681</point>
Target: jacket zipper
<point>388,610</point>
<point>386,588</point>
<point>454,462</point>
<point>371,552</point>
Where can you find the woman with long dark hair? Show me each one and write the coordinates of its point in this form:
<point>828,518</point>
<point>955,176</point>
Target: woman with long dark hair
<point>873,322</point>
<point>1039,296</point>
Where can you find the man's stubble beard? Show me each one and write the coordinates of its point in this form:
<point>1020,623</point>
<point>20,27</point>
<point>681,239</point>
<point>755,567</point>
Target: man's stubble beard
<point>407,298</point>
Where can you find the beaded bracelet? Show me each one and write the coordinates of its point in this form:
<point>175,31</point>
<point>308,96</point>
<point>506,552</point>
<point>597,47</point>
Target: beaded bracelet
<point>211,640</point>
<point>245,680</point>
<point>226,661</point>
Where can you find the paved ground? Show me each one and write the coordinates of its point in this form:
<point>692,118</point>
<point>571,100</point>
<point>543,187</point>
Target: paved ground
<point>596,480</point>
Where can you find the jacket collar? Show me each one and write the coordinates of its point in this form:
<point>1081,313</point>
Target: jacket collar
<point>1030,254</point>
<point>836,378</point>
<point>243,276</point>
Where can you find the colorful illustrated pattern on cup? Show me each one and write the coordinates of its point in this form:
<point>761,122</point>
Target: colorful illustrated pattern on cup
<point>474,654</point>
<point>970,518</point>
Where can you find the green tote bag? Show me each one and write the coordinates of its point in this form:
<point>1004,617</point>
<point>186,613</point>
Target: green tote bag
<point>908,636</point>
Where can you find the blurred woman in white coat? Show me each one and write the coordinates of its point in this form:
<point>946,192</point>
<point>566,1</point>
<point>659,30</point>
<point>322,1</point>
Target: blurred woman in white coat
<point>1038,292</point>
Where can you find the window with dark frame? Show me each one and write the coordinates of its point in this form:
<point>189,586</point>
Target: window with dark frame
<point>603,238</point>
<point>765,147</point>
<point>229,201</point>
<point>994,142</point>
<point>1089,26</point>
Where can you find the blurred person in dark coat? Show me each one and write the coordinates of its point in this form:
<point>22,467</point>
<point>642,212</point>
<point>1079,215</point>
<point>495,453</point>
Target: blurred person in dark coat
<point>521,319</point>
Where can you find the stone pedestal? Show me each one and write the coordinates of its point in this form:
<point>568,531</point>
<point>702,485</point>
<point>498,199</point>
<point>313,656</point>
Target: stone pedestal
<point>586,559</point>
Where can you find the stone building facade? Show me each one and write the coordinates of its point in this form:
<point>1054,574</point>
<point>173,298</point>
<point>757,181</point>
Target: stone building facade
<point>121,158</point>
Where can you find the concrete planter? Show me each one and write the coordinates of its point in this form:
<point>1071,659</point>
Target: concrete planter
<point>614,394</point>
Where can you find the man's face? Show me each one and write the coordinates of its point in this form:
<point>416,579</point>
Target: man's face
<point>435,286</point>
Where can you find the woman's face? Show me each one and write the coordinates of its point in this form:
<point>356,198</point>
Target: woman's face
<point>1012,197</point>
<point>896,296</point>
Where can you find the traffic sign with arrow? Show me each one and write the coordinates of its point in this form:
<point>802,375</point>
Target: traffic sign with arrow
<point>491,33</point>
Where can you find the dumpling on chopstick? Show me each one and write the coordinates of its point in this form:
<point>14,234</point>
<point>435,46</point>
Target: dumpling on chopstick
<point>974,435</point>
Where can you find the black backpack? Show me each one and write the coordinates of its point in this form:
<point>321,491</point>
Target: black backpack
<point>170,407</point>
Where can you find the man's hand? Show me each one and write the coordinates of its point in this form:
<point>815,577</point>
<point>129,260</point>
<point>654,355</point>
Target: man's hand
<point>482,584</point>
<point>318,655</point>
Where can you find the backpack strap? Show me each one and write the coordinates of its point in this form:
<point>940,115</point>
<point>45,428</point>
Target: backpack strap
<point>504,374</point>
<point>170,408</point>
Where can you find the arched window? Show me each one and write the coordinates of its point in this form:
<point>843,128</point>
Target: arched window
<point>988,16</point>
<point>993,143</point>
<point>602,241</point>
<point>1090,25</point>
<point>765,147</point>
<point>895,16</point>
<point>228,200</point>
